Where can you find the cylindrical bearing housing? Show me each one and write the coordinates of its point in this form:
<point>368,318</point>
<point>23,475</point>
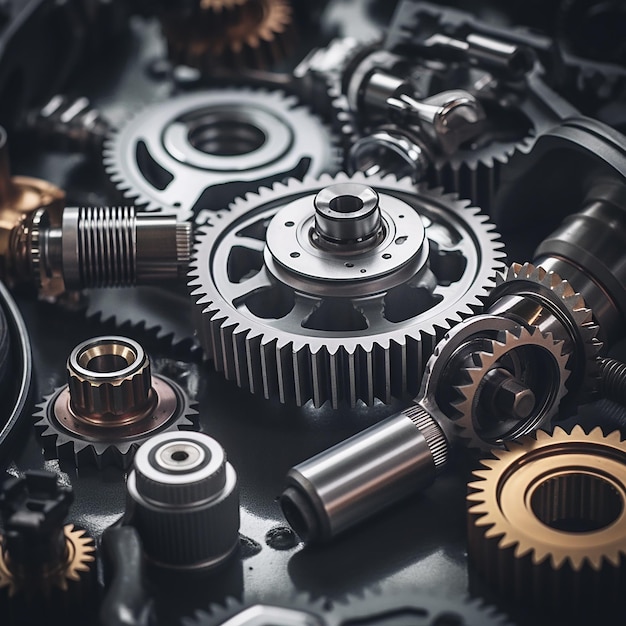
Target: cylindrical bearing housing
<point>351,481</point>
<point>185,502</point>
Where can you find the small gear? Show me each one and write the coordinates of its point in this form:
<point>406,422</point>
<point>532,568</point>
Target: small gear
<point>558,297</point>
<point>81,554</point>
<point>537,367</point>
<point>231,34</point>
<point>193,154</point>
<point>287,312</point>
<point>547,521</point>
<point>111,404</point>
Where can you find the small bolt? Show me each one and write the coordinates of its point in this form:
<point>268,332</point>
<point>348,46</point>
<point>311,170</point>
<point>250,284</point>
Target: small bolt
<point>510,398</point>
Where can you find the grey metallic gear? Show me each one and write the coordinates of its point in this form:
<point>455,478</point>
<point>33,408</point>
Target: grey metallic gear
<point>291,314</point>
<point>375,609</point>
<point>185,154</point>
<point>536,365</point>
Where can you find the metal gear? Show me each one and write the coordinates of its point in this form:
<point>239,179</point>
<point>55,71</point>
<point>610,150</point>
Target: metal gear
<point>547,520</point>
<point>232,34</point>
<point>111,404</point>
<point>371,608</point>
<point>540,289</point>
<point>81,554</point>
<point>295,320</point>
<point>193,154</point>
<point>536,367</point>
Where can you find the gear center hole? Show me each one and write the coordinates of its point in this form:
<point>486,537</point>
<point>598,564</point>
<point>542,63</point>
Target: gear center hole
<point>217,136</point>
<point>107,359</point>
<point>576,502</point>
<point>346,204</point>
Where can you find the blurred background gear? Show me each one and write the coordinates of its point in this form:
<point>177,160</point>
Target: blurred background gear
<point>546,521</point>
<point>184,501</point>
<point>193,154</point>
<point>46,568</point>
<point>337,289</point>
<point>111,404</point>
<point>234,34</point>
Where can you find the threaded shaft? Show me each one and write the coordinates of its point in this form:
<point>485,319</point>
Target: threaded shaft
<point>107,245</point>
<point>612,379</point>
<point>432,432</point>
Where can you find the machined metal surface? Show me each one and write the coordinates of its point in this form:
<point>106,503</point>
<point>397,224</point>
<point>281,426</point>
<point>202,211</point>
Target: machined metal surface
<point>546,516</point>
<point>111,404</point>
<point>344,324</point>
<point>184,501</point>
<point>167,156</point>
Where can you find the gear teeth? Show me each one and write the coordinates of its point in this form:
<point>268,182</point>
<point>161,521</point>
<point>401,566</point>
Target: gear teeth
<point>470,378</point>
<point>70,447</point>
<point>571,303</point>
<point>293,368</point>
<point>528,558</point>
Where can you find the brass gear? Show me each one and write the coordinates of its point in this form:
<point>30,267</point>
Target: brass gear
<point>535,359</point>
<point>547,520</point>
<point>230,34</point>
<point>80,560</point>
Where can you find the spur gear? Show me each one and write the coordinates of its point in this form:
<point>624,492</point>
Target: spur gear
<point>375,609</point>
<point>233,34</point>
<point>193,154</point>
<point>111,404</point>
<point>343,306</point>
<point>542,298</point>
<point>337,289</point>
<point>518,377</point>
<point>547,520</point>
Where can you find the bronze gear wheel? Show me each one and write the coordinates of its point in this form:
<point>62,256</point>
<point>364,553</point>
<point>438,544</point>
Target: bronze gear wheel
<point>556,297</point>
<point>80,560</point>
<point>111,404</point>
<point>547,520</point>
<point>535,360</point>
<point>230,34</point>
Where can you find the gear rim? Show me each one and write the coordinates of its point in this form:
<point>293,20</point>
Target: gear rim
<point>308,147</point>
<point>261,359</point>
<point>515,548</point>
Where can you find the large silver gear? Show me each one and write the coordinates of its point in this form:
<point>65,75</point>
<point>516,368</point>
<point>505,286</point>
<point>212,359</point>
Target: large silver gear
<point>577,325</point>
<point>166,156</point>
<point>279,322</point>
<point>535,360</point>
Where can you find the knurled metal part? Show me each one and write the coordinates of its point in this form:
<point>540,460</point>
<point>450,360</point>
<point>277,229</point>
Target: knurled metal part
<point>298,342</point>
<point>79,562</point>
<point>435,437</point>
<point>547,521</point>
<point>185,502</point>
<point>535,359</point>
<point>230,35</point>
<point>578,327</point>
<point>111,404</point>
<point>178,156</point>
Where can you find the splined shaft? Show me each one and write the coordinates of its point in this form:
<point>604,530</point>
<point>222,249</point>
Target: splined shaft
<point>102,247</point>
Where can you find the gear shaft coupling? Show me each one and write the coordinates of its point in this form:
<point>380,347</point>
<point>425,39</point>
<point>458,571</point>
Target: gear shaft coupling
<point>111,404</point>
<point>47,567</point>
<point>547,521</point>
<point>499,379</point>
<point>337,289</point>
<point>184,501</point>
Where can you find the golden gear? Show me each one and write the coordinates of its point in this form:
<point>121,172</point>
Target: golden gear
<point>79,561</point>
<point>230,34</point>
<point>547,520</point>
